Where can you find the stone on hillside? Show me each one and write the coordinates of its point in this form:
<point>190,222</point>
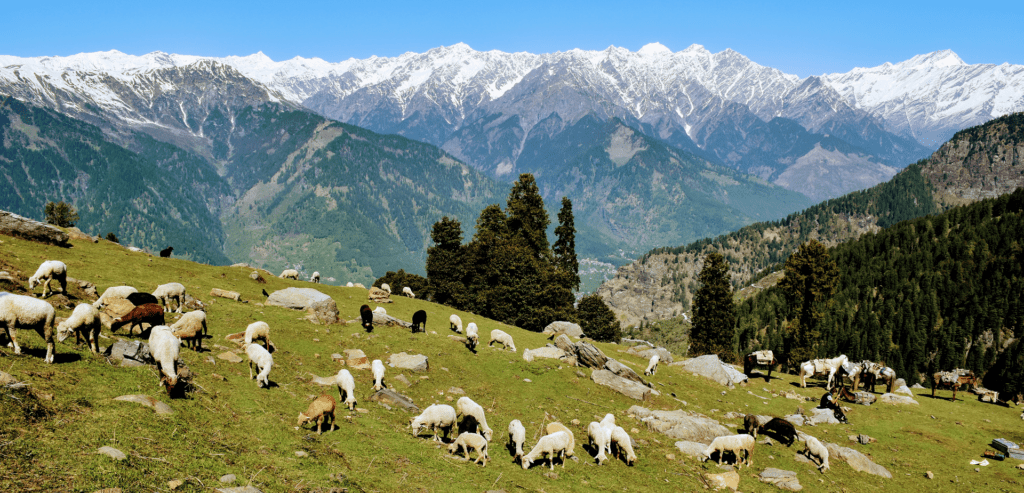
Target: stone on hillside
<point>456,391</point>
<point>728,479</point>
<point>117,308</point>
<point>6,378</point>
<point>256,276</point>
<point>296,298</point>
<point>238,489</point>
<point>458,339</point>
<point>820,416</point>
<point>378,295</point>
<point>646,352</point>
<point>230,357</point>
<point>917,386</point>
<point>899,383</point>
<point>623,371</point>
<point>856,460</point>
<point>331,380</point>
<point>589,355</point>
<point>12,224</point>
<point>223,293</point>
<point>897,399</point>
<point>77,234</point>
<point>357,359</point>
<point>145,400</point>
<point>112,452</point>
<point>137,351</point>
<point>228,478</point>
<point>392,398</point>
<point>568,328</point>
<point>864,398</point>
<point>562,342</point>
<point>785,480</point>
<point>709,366</point>
<point>542,352</point>
<point>693,449</point>
<point>323,312</point>
<point>621,385</point>
<point>681,425</point>
<point>795,419</point>
<point>404,380</point>
<point>903,390</point>
<point>383,319</point>
<point>414,362</point>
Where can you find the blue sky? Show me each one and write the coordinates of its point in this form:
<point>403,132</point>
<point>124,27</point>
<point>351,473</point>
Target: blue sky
<point>803,38</point>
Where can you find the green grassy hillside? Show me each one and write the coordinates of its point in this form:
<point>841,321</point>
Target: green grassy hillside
<point>49,432</point>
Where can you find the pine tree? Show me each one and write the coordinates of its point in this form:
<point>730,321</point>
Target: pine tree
<point>714,313</point>
<point>810,282</point>
<point>60,214</point>
<point>597,320</point>
<point>526,215</point>
<point>565,246</point>
<point>445,263</point>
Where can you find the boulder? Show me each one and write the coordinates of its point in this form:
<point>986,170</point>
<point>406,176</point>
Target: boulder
<point>899,383</point>
<point>681,425</point>
<point>727,479</point>
<point>709,366</point>
<point>902,389</point>
<point>795,419</point>
<point>864,398</point>
<point>897,399</point>
<point>357,359</point>
<point>820,416</point>
<point>136,351</point>
<point>383,319</point>
<point>542,352</point>
<point>568,328</point>
<point>693,449</point>
<point>646,352</point>
<point>856,460</point>
<point>223,293</point>
<point>256,276</point>
<point>623,371</point>
<point>230,357</point>
<point>589,355</point>
<point>563,343</point>
<point>77,234</point>
<point>785,480</point>
<point>378,295</point>
<point>621,385</point>
<point>296,298</point>
<point>145,400</point>
<point>917,386</point>
<point>12,224</point>
<point>324,312</point>
<point>6,378</point>
<point>414,362</point>
<point>394,399</point>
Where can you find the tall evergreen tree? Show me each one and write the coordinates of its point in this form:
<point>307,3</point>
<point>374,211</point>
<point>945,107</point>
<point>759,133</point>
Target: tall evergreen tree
<point>445,263</point>
<point>597,320</point>
<point>527,217</point>
<point>714,313</point>
<point>810,282</point>
<point>565,246</point>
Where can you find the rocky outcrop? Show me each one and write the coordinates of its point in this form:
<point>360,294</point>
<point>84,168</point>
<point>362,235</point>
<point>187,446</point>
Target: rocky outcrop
<point>621,385</point>
<point>324,312</point>
<point>709,366</point>
<point>12,224</point>
<point>223,293</point>
<point>681,425</point>
<point>543,352</point>
<point>296,298</point>
<point>378,295</point>
<point>624,371</point>
<point>646,352</point>
<point>897,400</point>
<point>145,400</point>
<point>356,358</point>
<point>692,449</point>
<point>785,480</point>
<point>414,362</point>
<point>856,460</point>
<point>394,399</point>
<point>589,355</point>
<point>129,353</point>
<point>568,328</point>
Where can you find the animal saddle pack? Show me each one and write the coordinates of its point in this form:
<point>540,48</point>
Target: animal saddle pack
<point>764,357</point>
<point>820,366</point>
<point>949,377</point>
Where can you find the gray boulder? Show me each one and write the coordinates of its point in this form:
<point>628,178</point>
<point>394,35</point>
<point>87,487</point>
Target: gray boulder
<point>897,400</point>
<point>821,417</point>
<point>621,385</point>
<point>12,224</point>
<point>681,425</point>
<point>414,362</point>
<point>394,399</point>
<point>132,351</point>
<point>623,371</point>
<point>111,452</point>
<point>856,460</point>
<point>589,355</point>
<point>693,449</point>
<point>563,343</point>
<point>542,352</point>
<point>568,328</point>
<point>323,312</point>
<point>785,480</point>
<point>902,389</point>
<point>646,352</point>
<point>709,366</point>
<point>145,400</point>
<point>296,298</point>
<point>383,319</point>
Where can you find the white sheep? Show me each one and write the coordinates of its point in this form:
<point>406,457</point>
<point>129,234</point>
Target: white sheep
<point>165,349</point>
<point>455,323</point>
<point>386,287</point>
<point>435,417</point>
<point>467,441</point>
<point>256,331</point>
<point>600,440</point>
<point>516,437</point>
<point>553,445</point>
<point>815,447</point>
<point>472,336</point>
<point>26,312</point>
<point>359,285</point>
<point>112,293</point>
<point>621,440</point>
<point>378,374</point>
<point>652,367</point>
<point>170,291</point>
<point>289,274</point>
<point>349,285</point>
<point>48,271</point>
<point>742,447</point>
<point>346,388</point>
<point>408,292</point>
<point>556,426</point>
<point>380,310</point>
<point>263,360</point>
<point>85,323</point>
<point>466,407</point>
<point>315,278</point>
<point>191,328</point>
<point>500,336</point>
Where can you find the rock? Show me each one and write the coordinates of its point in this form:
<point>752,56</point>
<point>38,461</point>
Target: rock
<point>129,350</point>
<point>6,378</point>
<point>543,352</point>
<point>337,357</point>
<point>709,366</point>
<point>378,295</point>
<point>357,359</point>
<point>145,400</point>
<point>238,489</point>
<point>414,362</point>
<point>256,276</point>
<point>590,356</point>
<point>899,383</point>
<point>459,339</point>
<point>456,391</point>
<point>324,312</point>
<point>856,460</point>
<point>646,352</point>
<point>728,479</point>
<point>403,379</point>
<point>551,475</point>
<point>568,328</point>
<point>692,449</point>
<point>929,475</point>
<point>174,484</point>
<point>864,439</point>
<point>12,224</point>
<point>916,386</point>
<point>575,422</point>
<point>230,357</point>
<point>785,480</point>
<point>296,298</point>
<point>77,234</point>
<point>624,371</point>
<point>112,452</point>
<point>681,425</point>
<point>562,342</point>
<point>795,419</point>
<point>392,398</point>
<point>301,453</point>
<point>904,390</point>
<point>223,293</point>
<point>865,398</point>
<point>897,399</point>
<point>228,478</point>
<point>621,385</point>
<point>821,417</point>
<point>383,319</point>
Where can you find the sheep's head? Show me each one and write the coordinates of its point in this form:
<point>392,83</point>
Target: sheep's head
<point>487,434</point>
<point>63,331</point>
<point>303,419</point>
<point>169,383</point>
<point>33,282</point>
<point>526,462</point>
<point>416,425</point>
<point>452,448</point>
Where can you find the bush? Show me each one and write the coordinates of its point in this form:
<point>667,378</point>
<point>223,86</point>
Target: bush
<point>597,320</point>
<point>112,237</point>
<point>60,214</point>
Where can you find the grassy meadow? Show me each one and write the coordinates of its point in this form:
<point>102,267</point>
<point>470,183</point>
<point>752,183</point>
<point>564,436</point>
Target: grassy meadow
<point>50,431</point>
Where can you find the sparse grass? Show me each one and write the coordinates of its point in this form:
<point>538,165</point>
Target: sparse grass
<point>231,426</point>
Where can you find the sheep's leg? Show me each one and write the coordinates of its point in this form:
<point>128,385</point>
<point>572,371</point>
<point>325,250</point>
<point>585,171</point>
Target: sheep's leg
<point>12,332</point>
<point>250,370</point>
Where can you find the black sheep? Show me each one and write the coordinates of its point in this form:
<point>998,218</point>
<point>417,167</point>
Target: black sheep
<point>166,252</point>
<point>367,315</point>
<point>783,430</point>
<point>139,299</point>
<point>419,321</point>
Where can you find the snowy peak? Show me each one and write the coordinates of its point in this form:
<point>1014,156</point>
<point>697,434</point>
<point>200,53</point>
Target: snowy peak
<point>935,59</point>
<point>654,49</point>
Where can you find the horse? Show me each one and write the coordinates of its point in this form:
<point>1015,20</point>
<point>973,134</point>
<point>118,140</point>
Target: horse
<point>765,358</point>
<point>953,380</point>
<point>818,367</point>
<point>853,371</point>
<point>875,371</point>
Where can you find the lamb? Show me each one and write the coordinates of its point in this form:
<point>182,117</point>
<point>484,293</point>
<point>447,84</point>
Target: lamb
<point>48,271</point>
<point>624,444</point>
<point>85,323</point>
<point>556,426</point>
<point>27,312</point>
<point>600,440</point>
<point>386,287</point>
<point>347,388</point>
<point>814,447</point>
<point>165,349</point>
<point>263,360</point>
<point>455,323</point>
<point>320,411</point>
<point>652,367</point>
<point>516,437</point>
<point>138,299</point>
<point>191,328</point>
<point>741,446</point>
<point>171,291</point>
<point>472,339</point>
<point>315,278</point>
<point>380,310</point>
<point>367,317</point>
<point>467,441</point>
<point>419,321</point>
<point>289,274</point>
<point>378,374</point>
<point>502,337</point>
<point>436,417</point>
<point>466,407</point>
<point>111,293</point>
<point>144,314</point>
<point>553,445</point>
<point>408,292</point>
<point>258,331</point>
<point>166,252</point>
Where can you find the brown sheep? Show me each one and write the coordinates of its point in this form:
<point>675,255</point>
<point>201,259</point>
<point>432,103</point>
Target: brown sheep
<point>320,411</point>
<point>149,313</point>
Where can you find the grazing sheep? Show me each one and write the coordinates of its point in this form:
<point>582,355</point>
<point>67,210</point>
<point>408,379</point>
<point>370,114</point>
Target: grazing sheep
<point>359,285</point>
<point>166,252</point>
<point>652,367</point>
<point>191,328</point>
<point>346,388</point>
<point>551,446</point>
<point>467,441</point>
<point>27,312</point>
<point>419,321</point>
<point>171,291</point>
<point>349,285</point>
<point>320,411</point>
<point>85,323</point>
<point>556,426</point>
<point>48,271</point>
<point>258,331</point>
<point>814,447</point>
<point>378,374</point>
<point>600,440</point>
<point>386,287</point>
<point>380,310</point>
<point>139,299</point>
<point>408,292</point>
<point>624,444</point>
<point>149,313</point>
<point>472,338</point>
<point>502,337</point>
<point>289,274</point>
<point>367,316</point>
<point>435,417</point>
<point>751,424</point>
<point>315,278</point>
<point>741,446</point>
<point>112,293</point>
<point>263,360</point>
<point>455,323</point>
<point>165,350</point>
<point>466,407</point>
<point>783,430</point>
<point>516,437</point>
